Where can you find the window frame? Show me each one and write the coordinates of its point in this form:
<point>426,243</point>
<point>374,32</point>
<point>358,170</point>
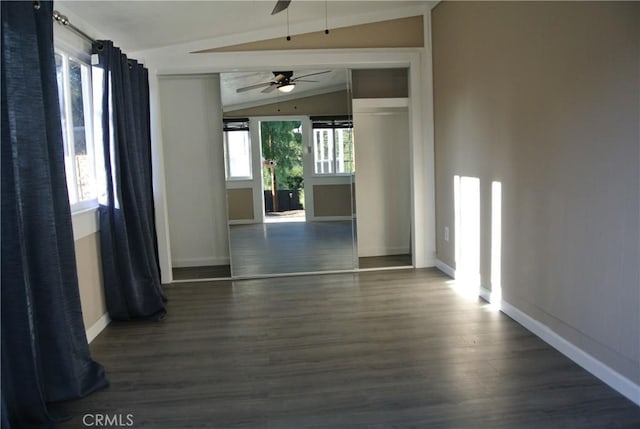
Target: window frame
<point>69,55</point>
<point>236,125</point>
<point>334,124</point>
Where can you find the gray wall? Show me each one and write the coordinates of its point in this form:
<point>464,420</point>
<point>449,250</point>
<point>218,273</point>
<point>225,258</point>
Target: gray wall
<point>240,204</point>
<point>333,200</point>
<point>544,98</point>
<point>380,83</point>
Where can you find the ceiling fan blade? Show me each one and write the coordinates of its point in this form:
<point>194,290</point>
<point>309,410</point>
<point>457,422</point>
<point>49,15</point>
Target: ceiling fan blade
<point>311,74</point>
<point>269,89</point>
<point>300,80</point>
<point>280,6</point>
<point>250,87</point>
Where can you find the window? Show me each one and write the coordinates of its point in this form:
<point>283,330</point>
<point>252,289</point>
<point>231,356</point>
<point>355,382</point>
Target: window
<point>74,88</point>
<point>237,149</point>
<point>332,146</point>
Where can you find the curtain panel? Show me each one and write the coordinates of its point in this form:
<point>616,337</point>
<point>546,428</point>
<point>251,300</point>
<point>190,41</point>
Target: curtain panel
<point>127,219</point>
<point>45,355</point>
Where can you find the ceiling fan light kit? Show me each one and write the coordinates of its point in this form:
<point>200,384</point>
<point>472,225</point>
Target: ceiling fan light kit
<point>286,87</point>
<point>282,80</point>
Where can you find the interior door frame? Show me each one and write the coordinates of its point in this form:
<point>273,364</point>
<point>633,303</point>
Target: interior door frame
<point>306,124</point>
<point>179,60</point>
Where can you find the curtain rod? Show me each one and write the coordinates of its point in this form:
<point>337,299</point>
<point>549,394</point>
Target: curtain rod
<point>64,21</point>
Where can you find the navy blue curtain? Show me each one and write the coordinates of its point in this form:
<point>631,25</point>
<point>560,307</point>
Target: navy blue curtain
<point>45,356</point>
<point>127,219</point>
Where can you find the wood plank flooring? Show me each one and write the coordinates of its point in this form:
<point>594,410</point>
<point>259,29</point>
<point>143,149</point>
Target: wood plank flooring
<point>387,349</point>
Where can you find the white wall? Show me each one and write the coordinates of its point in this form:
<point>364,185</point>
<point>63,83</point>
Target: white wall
<point>191,117</point>
<point>383,188</point>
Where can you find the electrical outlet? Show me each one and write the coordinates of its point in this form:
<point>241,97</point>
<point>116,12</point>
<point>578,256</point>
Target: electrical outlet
<point>446,233</point>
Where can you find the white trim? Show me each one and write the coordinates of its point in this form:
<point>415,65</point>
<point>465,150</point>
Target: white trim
<point>199,262</point>
<point>599,369</point>
<point>379,105</point>
<point>257,187</point>
<point>608,375</point>
<point>227,166</point>
<point>179,61</point>
<point>390,268</point>
<point>95,329</point>
<point>485,294</point>
<point>243,221</point>
<point>231,180</point>
<point>451,272</point>
<point>159,185</point>
<point>184,63</point>
<point>85,223</point>
<point>84,205</point>
<point>297,28</point>
<point>424,210</point>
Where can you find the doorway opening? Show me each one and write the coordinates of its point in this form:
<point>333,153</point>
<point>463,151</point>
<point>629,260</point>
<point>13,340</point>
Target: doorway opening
<point>281,145</point>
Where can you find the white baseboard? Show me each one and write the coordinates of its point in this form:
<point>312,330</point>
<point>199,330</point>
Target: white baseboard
<point>485,294</point>
<point>199,262</point>
<point>401,267</point>
<point>445,268</point>
<point>97,327</point>
<point>614,379</point>
<point>611,377</point>
<point>243,221</point>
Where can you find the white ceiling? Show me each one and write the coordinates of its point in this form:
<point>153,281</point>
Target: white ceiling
<point>141,25</point>
<point>138,26</point>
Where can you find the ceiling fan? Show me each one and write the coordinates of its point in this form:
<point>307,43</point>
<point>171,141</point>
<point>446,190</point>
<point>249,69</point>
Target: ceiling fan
<point>283,81</point>
<point>280,6</point>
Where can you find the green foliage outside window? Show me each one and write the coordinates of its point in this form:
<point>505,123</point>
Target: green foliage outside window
<point>282,142</point>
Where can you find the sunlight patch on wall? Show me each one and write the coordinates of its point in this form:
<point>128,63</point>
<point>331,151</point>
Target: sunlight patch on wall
<point>496,244</point>
<point>467,233</point>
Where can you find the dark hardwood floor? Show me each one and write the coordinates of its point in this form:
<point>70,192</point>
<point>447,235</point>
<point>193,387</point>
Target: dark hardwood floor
<point>388,349</point>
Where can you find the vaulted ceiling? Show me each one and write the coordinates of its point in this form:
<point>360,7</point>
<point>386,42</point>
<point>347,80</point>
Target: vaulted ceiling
<point>141,27</point>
